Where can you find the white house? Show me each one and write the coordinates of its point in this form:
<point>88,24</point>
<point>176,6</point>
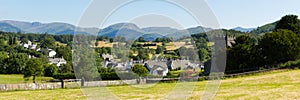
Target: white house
<point>33,47</point>
<point>159,70</point>
<point>57,61</point>
<point>108,61</point>
<point>29,42</point>
<point>157,67</point>
<point>38,49</point>
<point>174,64</point>
<point>26,45</point>
<point>108,57</point>
<point>52,53</point>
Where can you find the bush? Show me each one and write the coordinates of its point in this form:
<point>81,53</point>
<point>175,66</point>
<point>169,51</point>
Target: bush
<point>172,75</point>
<point>154,76</point>
<point>50,70</point>
<point>64,76</point>
<point>290,64</point>
<point>118,76</point>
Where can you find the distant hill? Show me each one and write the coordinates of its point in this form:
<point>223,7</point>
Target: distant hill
<point>160,30</point>
<point>241,29</point>
<point>51,28</point>
<point>8,28</point>
<point>265,28</point>
<point>132,31</point>
<point>127,30</point>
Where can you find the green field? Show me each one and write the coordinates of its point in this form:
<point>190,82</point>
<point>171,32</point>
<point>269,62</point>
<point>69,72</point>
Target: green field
<point>13,79</point>
<point>283,84</point>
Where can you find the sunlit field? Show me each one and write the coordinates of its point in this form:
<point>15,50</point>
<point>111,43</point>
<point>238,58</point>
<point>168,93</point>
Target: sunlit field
<point>282,84</point>
<point>14,79</point>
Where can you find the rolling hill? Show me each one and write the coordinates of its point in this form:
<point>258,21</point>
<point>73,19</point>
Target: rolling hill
<point>265,28</point>
<point>8,28</point>
<point>127,30</point>
<point>243,29</point>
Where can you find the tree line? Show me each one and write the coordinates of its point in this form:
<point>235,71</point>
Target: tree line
<point>273,48</point>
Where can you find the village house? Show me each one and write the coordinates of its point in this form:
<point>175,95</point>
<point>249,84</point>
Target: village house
<point>159,70</point>
<point>57,61</point>
<point>182,64</point>
<point>30,45</point>
<point>51,53</point>
<point>157,67</point>
<point>108,61</point>
<point>26,45</point>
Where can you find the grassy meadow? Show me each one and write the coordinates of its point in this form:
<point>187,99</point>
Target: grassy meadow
<point>14,79</point>
<point>282,84</point>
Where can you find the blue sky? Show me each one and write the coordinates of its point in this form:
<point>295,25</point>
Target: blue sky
<point>229,13</point>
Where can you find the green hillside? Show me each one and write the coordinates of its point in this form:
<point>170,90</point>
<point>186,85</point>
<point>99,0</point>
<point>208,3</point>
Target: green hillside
<point>281,84</point>
<point>265,28</point>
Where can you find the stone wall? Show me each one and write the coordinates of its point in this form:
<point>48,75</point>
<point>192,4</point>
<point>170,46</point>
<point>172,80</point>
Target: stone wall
<point>46,86</point>
<point>109,83</point>
<point>29,86</point>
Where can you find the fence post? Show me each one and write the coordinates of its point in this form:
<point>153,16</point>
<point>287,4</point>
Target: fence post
<point>82,82</point>
<point>62,83</point>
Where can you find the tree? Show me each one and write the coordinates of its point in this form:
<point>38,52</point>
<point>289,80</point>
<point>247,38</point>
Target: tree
<point>141,71</point>
<point>2,42</point>
<point>34,67</point>
<point>16,63</point>
<point>289,22</point>
<point>160,49</point>
<point>24,39</point>
<point>3,57</point>
<point>50,70</point>
<point>141,39</point>
<point>280,46</point>
<point>241,56</point>
<point>203,54</point>
<point>48,42</point>
<point>143,54</point>
<point>12,40</point>
<point>66,68</point>
<point>64,51</point>
<point>83,58</point>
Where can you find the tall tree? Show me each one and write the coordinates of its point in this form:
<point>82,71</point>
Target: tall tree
<point>34,68</point>
<point>241,56</point>
<point>50,70</point>
<point>141,71</point>
<point>65,52</point>
<point>16,63</point>
<point>48,42</point>
<point>160,49</point>
<point>280,46</point>
<point>289,22</point>
<point>3,57</point>
<point>83,58</point>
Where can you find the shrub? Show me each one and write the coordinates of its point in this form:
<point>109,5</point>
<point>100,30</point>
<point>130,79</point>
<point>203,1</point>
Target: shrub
<point>64,76</point>
<point>118,76</point>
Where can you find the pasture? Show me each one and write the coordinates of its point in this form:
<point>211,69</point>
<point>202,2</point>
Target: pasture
<point>282,84</point>
<point>14,79</point>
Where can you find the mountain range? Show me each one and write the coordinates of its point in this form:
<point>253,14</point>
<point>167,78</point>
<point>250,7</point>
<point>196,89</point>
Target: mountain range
<point>127,30</point>
<point>241,29</point>
<point>265,28</point>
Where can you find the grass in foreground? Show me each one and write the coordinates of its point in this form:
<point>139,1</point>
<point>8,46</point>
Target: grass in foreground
<point>272,85</point>
<point>15,79</point>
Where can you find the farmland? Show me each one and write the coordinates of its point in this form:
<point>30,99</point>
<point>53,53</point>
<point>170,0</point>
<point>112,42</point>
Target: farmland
<point>280,84</point>
<point>13,79</point>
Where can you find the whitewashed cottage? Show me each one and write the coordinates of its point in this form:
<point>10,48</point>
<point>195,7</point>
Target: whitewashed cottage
<point>57,61</point>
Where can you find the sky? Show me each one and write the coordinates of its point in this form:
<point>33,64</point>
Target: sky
<point>147,13</point>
